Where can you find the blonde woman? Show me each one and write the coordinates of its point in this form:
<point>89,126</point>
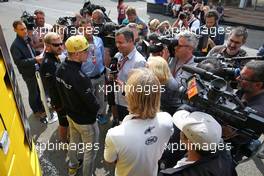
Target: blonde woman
<point>170,101</point>
<point>169,96</point>
<point>138,143</point>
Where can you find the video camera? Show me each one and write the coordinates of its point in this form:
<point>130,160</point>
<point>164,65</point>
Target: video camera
<point>66,21</point>
<point>88,8</point>
<point>106,32</point>
<point>212,97</point>
<point>69,27</point>
<point>207,92</point>
<point>106,29</point>
<point>156,43</point>
<point>229,67</point>
<point>28,19</point>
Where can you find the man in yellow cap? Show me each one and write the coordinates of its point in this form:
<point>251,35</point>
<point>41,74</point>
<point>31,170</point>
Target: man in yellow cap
<point>81,106</point>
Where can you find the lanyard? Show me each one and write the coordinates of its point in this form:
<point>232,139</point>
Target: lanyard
<point>122,62</point>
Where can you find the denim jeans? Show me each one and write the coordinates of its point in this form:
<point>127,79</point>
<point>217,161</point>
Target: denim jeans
<point>86,139</point>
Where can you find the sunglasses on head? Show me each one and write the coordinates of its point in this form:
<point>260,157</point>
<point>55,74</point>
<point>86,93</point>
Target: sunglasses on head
<point>56,44</point>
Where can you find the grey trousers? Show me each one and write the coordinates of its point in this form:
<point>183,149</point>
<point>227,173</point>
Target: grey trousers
<point>85,140</point>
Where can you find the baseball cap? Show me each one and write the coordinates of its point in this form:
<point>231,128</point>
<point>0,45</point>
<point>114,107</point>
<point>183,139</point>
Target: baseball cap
<point>200,128</point>
<point>76,43</point>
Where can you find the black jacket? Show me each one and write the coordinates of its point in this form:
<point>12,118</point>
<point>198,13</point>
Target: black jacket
<point>22,57</point>
<point>257,103</point>
<point>48,74</point>
<point>76,93</point>
<point>219,164</point>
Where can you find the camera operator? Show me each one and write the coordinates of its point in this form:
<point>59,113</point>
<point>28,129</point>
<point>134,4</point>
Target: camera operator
<point>76,93</point>
<point>98,22</point>
<point>94,67</point>
<point>133,18</point>
<point>25,59</point>
<point>69,25</point>
<point>186,19</point>
<point>251,81</point>
<point>137,40</point>
<point>51,62</point>
<point>98,17</point>
<point>187,43</point>
<point>251,84</point>
<point>156,48</point>
<point>210,33</point>
<point>40,30</point>
<point>236,39</point>
<point>128,58</point>
<point>206,155</point>
<point>198,11</point>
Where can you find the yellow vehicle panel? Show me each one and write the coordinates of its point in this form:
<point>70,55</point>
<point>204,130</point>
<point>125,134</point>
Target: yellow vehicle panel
<point>18,156</point>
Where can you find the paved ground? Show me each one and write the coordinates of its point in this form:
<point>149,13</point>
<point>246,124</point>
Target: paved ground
<point>248,16</point>
<point>53,162</point>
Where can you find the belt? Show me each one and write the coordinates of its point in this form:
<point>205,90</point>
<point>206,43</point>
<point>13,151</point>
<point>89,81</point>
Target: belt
<point>98,75</point>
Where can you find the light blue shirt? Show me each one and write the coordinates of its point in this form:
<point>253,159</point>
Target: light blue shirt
<point>135,60</point>
<point>94,67</point>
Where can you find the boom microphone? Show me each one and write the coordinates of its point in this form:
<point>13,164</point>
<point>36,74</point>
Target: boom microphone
<point>200,59</point>
<point>203,73</point>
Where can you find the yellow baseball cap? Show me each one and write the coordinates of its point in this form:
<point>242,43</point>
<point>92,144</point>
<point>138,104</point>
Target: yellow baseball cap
<point>76,43</point>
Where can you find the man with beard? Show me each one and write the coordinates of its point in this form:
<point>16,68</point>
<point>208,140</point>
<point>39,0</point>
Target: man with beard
<point>237,38</point>
<point>211,33</point>
<point>186,19</point>
<point>251,81</point>
<point>51,62</point>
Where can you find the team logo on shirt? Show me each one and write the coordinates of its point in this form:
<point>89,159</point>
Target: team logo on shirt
<point>149,129</point>
<point>151,140</point>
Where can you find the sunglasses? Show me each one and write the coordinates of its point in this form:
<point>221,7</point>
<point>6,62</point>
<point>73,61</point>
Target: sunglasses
<point>56,44</point>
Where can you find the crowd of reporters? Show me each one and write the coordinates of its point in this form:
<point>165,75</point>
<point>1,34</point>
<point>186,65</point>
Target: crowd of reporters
<point>76,69</point>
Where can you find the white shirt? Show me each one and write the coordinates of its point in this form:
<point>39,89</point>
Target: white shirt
<point>138,144</point>
<point>194,24</point>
